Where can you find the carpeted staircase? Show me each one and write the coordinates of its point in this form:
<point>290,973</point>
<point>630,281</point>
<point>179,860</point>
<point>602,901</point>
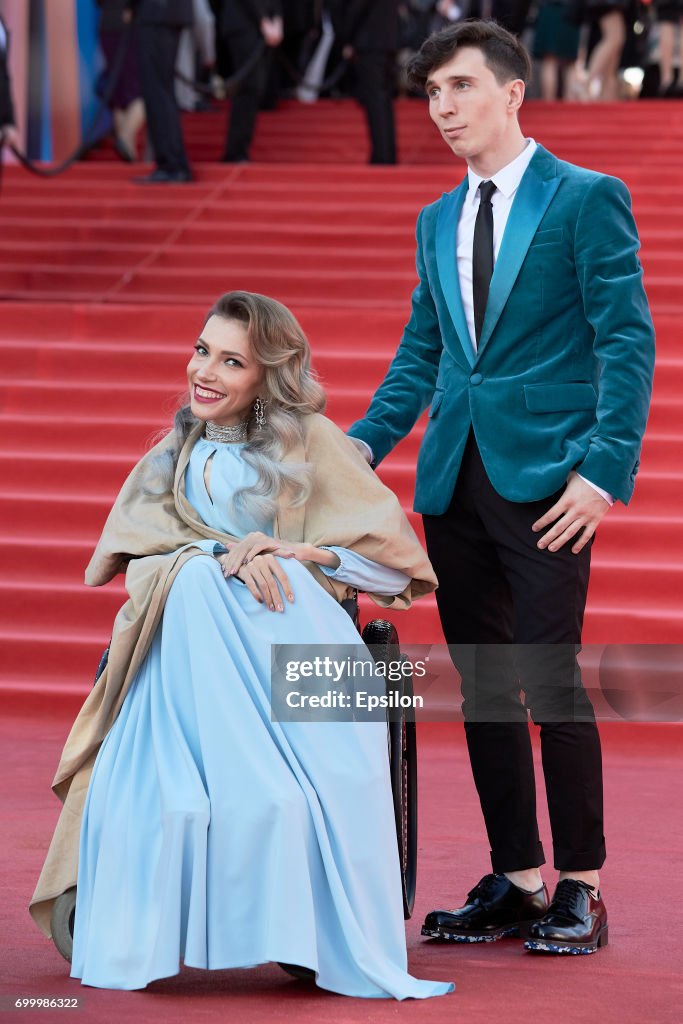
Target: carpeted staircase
<point>105,285</point>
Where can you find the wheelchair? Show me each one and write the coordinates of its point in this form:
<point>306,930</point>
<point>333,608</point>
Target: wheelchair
<point>382,639</point>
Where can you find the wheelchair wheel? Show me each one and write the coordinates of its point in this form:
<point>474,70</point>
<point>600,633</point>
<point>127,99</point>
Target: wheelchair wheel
<point>62,922</point>
<point>402,743</point>
<point>403,764</point>
<point>102,665</point>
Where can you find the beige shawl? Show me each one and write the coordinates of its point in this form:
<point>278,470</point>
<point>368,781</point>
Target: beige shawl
<point>151,532</point>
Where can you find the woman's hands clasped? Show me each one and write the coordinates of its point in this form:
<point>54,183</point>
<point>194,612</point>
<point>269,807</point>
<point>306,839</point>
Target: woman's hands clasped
<point>254,560</point>
<point>262,576</point>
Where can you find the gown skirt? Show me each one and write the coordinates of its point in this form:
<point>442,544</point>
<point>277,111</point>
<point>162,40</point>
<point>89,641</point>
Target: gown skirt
<point>215,836</point>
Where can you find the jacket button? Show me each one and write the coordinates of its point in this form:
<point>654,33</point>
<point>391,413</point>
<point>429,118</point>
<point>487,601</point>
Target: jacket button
<point>475,379</point>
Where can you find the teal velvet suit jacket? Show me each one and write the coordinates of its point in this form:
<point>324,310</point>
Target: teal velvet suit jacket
<point>563,373</point>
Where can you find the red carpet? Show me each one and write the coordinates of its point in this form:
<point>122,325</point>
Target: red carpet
<point>636,979</point>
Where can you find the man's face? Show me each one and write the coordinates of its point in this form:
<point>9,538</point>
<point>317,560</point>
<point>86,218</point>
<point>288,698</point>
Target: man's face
<point>469,106</point>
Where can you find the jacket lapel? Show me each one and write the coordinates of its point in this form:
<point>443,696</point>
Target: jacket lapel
<point>536,189</point>
<point>447,262</point>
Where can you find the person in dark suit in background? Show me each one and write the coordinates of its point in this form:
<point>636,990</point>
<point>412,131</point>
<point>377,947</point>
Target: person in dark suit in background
<point>158,24</point>
<point>8,131</point>
<point>511,14</point>
<point>299,20</point>
<point>244,25</point>
<point>368,33</point>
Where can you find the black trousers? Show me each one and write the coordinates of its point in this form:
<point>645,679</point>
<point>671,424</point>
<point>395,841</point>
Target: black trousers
<point>375,91</point>
<point>157,52</point>
<point>246,102</point>
<point>514,614</point>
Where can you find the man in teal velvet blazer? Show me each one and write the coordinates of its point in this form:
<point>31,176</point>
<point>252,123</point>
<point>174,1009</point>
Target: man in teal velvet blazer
<point>537,373</point>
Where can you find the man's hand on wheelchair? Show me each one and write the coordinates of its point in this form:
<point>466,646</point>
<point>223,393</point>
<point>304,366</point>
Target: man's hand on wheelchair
<point>362,447</point>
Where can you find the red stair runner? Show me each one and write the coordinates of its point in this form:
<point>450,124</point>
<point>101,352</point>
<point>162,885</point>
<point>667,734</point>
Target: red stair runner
<point>105,285</point>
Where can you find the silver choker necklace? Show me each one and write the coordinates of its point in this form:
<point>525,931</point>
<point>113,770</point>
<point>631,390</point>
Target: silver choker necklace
<point>226,435</point>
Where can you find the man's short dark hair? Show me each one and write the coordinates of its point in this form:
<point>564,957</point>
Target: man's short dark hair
<point>503,52</point>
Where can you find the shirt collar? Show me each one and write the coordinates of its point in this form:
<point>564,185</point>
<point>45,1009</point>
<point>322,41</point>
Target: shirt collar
<point>507,179</point>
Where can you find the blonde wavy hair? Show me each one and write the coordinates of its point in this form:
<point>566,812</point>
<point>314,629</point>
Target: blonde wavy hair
<point>290,390</point>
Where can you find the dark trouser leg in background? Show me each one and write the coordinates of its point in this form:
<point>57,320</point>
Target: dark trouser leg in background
<point>157,51</point>
<point>245,103</point>
<point>375,75</point>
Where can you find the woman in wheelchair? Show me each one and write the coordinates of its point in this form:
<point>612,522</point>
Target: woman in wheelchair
<point>193,826</point>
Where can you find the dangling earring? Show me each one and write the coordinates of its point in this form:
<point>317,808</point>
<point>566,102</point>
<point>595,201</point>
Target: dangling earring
<point>259,406</point>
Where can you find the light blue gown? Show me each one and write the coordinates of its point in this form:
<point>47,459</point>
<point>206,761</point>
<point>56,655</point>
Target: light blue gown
<point>214,836</point>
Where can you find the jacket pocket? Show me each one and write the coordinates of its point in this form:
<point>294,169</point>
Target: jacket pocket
<point>559,397</point>
<point>436,402</point>
<point>547,237</point>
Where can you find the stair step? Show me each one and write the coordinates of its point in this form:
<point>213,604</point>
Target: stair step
<point>92,373</point>
<point>36,656</point>
<point>159,401</point>
<point>656,489</point>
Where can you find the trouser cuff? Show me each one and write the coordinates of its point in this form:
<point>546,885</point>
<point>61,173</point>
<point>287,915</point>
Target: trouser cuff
<point>579,860</point>
<point>518,860</point>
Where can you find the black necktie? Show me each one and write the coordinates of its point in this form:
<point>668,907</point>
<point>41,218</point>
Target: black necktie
<point>482,255</point>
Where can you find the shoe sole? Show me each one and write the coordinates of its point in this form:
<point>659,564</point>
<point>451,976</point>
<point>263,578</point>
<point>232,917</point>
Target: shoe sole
<point>573,949</point>
<point>436,933</point>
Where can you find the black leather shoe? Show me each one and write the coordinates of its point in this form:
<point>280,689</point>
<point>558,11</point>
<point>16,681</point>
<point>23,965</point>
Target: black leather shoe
<point>160,177</point>
<point>494,908</point>
<point>576,921</point>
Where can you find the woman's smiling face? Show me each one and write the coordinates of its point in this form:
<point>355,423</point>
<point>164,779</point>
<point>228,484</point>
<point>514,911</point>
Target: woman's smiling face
<point>223,376</point>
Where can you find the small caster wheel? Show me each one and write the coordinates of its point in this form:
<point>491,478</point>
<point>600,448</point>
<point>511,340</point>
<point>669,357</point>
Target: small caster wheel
<point>302,973</point>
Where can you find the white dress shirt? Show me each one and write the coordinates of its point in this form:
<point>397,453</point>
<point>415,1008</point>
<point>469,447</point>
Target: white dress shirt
<point>507,182</point>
